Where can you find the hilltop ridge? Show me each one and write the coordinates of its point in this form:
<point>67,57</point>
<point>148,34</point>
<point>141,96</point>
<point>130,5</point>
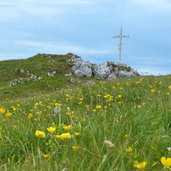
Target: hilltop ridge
<point>44,73</point>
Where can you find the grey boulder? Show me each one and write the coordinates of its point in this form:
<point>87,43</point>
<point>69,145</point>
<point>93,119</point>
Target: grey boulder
<point>111,76</point>
<point>102,71</point>
<point>126,74</point>
<point>83,69</point>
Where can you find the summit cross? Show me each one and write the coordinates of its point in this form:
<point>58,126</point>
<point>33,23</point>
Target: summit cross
<point>120,36</point>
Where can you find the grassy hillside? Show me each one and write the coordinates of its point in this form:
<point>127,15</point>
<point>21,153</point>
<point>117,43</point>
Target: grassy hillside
<point>121,125</point>
<point>38,65</point>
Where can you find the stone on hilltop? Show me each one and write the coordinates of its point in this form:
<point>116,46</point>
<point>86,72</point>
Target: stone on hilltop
<point>111,76</point>
<point>102,71</point>
<point>107,70</point>
<point>126,74</point>
<point>83,69</point>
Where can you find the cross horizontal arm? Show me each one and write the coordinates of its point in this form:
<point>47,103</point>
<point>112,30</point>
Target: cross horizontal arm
<point>115,36</point>
<point>125,36</point>
<point>120,37</point>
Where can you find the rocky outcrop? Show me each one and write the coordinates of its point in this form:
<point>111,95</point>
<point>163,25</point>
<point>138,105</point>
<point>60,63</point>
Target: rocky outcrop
<point>126,74</point>
<point>105,71</point>
<point>83,69</point>
<point>111,76</point>
<point>102,71</point>
<point>29,77</point>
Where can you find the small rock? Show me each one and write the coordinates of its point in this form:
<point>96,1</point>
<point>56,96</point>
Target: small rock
<point>111,76</point>
<point>52,73</point>
<point>90,83</point>
<point>83,69</point>
<point>126,74</point>
<point>67,75</point>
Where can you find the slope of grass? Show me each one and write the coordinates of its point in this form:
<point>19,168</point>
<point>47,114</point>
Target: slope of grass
<point>38,65</point>
<point>110,126</point>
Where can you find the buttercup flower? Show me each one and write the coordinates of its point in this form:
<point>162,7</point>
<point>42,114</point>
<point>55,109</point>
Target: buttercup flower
<point>8,114</point>
<point>129,149</point>
<point>51,129</point>
<point>166,162</point>
<point>119,96</point>
<point>58,104</point>
<point>65,136</point>
<point>98,107</point>
<point>169,87</point>
<point>152,90</point>
<point>76,133</point>
<point>2,110</point>
<point>67,127</point>
<point>75,147</point>
<point>40,134</point>
<point>46,155</point>
<point>140,165</point>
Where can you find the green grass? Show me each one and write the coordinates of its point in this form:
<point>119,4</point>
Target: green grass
<point>38,65</point>
<point>133,112</point>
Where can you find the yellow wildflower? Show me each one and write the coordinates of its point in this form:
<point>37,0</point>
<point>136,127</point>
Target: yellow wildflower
<point>119,96</point>
<point>126,136</point>
<point>46,155</point>
<point>119,102</point>
<point>67,127</point>
<point>57,136</point>
<point>70,113</point>
<point>76,133</point>
<point>51,129</point>
<point>8,114</point>
<point>58,104</point>
<point>39,113</point>
<point>14,108</point>
<point>63,136</point>
<point>129,149</point>
<point>30,115</point>
<point>140,165</point>
<point>40,134</point>
<point>169,87</point>
<point>139,106</point>
<point>2,110</point>
<point>98,107</point>
<point>152,90</point>
<point>75,147</point>
<point>166,161</point>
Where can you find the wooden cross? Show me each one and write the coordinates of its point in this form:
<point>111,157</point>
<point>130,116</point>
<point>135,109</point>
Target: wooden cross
<point>120,43</point>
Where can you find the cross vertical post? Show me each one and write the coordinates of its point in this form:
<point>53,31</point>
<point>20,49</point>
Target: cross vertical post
<point>120,36</point>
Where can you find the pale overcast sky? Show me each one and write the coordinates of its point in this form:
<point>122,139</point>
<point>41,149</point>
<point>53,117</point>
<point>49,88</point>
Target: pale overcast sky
<point>86,27</point>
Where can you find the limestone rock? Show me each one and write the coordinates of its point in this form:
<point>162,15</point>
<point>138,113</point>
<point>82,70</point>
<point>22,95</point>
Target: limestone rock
<point>83,69</point>
<point>102,71</point>
<point>111,76</point>
<point>74,58</point>
<point>52,73</point>
<point>69,74</point>
<point>126,74</point>
<point>79,73</point>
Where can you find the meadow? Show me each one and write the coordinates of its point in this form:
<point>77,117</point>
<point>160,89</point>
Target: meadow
<point>120,125</point>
